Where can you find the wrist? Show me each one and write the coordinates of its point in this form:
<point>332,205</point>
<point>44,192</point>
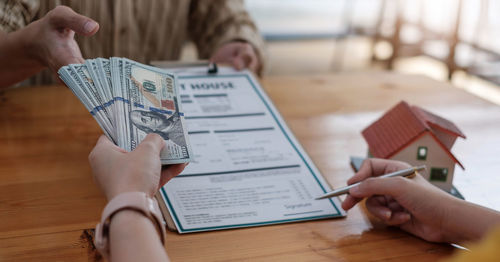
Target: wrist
<point>449,230</point>
<point>31,42</point>
<point>464,222</point>
<point>131,231</point>
<point>24,44</point>
<point>128,218</point>
<point>117,214</point>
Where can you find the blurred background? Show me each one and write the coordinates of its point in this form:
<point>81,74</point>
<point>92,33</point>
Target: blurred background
<point>449,40</point>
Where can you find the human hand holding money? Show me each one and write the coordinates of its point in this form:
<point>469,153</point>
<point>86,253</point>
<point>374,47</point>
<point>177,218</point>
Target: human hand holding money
<point>130,100</point>
<point>45,43</point>
<point>117,171</point>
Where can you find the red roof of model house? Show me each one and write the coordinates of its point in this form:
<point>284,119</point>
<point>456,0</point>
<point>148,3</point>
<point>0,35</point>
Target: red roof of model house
<point>402,125</point>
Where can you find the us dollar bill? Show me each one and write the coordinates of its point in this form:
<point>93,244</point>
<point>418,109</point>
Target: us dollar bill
<point>76,79</point>
<point>96,96</point>
<point>104,74</point>
<point>130,100</point>
<point>147,101</point>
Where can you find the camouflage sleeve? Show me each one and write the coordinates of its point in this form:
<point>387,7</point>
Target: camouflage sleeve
<point>216,22</point>
<point>16,14</point>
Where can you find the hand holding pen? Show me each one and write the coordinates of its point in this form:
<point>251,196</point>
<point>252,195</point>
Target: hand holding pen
<point>414,205</point>
<point>408,173</point>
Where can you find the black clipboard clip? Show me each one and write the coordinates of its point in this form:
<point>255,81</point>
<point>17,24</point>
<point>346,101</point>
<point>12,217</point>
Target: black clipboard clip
<point>212,68</point>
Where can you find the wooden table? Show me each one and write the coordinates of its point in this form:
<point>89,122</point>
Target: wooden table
<point>48,198</point>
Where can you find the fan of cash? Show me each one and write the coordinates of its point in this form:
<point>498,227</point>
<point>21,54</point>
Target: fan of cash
<point>130,100</point>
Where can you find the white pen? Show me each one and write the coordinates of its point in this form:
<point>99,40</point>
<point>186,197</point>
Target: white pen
<point>409,173</point>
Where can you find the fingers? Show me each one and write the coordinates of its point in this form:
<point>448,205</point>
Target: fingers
<point>169,172</point>
<point>382,207</point>
<point>64,17</point>
<point>379,207</point>
<point>364,172</point>
<point>369,168</point>
<point>238,63</point>
<point>103,141</point>
<point>376,167</point>
<point>245,57</point>
<point>239,54</point>
<point>246,60</point>
<point>254,65</point>
<point>103,145</point>
<point>350,202</point>
<point>391,186</point>
<point>398,218</point>
<point>152,143</point>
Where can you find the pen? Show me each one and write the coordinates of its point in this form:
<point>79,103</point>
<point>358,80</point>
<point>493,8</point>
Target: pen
<point>409,173</point>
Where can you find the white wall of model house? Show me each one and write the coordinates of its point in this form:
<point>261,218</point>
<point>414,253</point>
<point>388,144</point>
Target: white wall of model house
<point>436,159</point>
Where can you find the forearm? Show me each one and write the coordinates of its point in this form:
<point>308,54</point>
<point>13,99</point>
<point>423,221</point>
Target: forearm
<point>133,237</point>
<point>17,61</point>
<point>468,222</point>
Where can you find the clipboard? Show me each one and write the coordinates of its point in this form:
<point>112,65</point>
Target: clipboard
<point>297,178</point>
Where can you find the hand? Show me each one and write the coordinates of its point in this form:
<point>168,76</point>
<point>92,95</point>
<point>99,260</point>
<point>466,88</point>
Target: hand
<point>240,55</point>
<point>51,39</point>
<point>118,171</point>
<point>414,205</point>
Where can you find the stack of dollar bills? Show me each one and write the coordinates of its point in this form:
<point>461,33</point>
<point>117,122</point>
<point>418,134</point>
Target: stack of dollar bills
<point>130,100</point>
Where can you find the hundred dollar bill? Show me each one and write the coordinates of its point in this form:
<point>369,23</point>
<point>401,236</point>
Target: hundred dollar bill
<point>147,101</point>
<point>104,74</point>
<point>73,80</point>
<point>116,69</point>
<point>96,97</point>
<point>93,70</point>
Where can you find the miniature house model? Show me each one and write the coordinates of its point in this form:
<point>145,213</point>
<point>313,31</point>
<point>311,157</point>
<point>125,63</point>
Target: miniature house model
<point>418,137</point>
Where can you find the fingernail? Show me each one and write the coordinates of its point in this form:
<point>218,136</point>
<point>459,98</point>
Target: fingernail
<point>354,190</point>
<point>89,26</point>
<point>387,214</point>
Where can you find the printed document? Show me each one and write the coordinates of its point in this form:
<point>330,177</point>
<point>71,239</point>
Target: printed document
<point>247,169</point>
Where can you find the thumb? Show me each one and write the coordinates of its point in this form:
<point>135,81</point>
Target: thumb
<point>103,146</point>
<point>65,17</point>
<point>168,172</point>
<point>391,186</point>
<point>152,143</point>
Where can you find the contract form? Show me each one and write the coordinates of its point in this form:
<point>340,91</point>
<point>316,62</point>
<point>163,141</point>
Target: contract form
<point>248,168</point>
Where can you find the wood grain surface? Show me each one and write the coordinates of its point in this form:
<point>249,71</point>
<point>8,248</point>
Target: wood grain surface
<point>48,199</point>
